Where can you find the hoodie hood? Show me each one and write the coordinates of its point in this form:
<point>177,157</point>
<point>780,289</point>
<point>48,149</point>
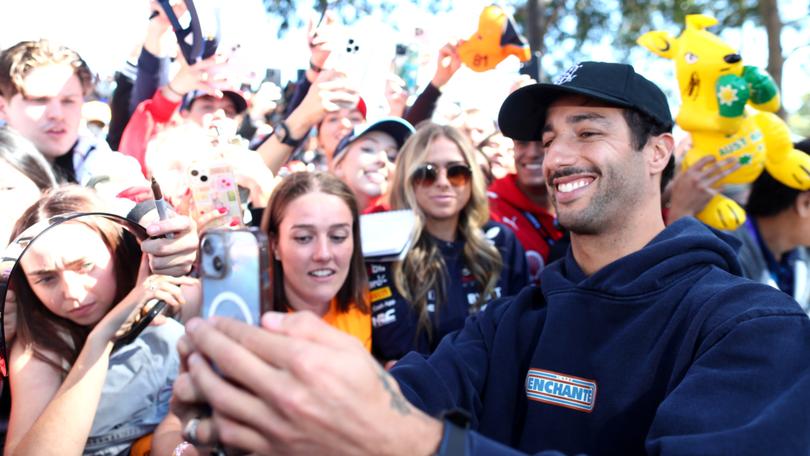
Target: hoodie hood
<point>684,246</point>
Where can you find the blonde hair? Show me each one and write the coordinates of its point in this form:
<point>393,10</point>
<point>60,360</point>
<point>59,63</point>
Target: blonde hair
<point>423,269</point>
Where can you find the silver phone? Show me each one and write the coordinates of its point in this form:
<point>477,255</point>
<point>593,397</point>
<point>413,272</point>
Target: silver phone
<point>235,275</point>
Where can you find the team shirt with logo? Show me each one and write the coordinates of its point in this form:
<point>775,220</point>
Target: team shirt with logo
<point>394,322</point>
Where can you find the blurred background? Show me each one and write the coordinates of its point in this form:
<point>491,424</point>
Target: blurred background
<point>271,35</point>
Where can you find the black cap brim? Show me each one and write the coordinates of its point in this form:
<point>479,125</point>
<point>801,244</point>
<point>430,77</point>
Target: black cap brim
<point>523,113</point>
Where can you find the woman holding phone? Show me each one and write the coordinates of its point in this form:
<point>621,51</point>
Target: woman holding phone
<point>78,291</point>
<point>458,260</point>
<point>312,222</point>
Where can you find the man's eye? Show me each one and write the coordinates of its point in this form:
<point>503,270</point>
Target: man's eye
<point>302,239</point>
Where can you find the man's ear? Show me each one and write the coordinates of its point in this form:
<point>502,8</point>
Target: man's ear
<point>661,148</point>
<point>802,204</point>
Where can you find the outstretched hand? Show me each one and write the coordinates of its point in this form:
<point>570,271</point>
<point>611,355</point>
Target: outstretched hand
<point>693,188</point>
<point>447,64</point>
<point>291,387</point>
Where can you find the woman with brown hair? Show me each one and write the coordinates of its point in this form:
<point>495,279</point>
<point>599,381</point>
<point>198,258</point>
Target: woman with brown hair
<point>458,260</point>
<point>78,289</point>
<point>313,225</point>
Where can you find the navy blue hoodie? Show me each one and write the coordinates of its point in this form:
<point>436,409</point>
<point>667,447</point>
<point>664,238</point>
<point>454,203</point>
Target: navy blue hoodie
<point>394,322</point>
<point>664,351</point>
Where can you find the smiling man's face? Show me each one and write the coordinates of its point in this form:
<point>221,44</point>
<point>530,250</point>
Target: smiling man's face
<point>592,172</point>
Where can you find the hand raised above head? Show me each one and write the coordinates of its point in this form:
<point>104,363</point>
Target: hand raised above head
<point>447,64</point>
<point>330,92</point>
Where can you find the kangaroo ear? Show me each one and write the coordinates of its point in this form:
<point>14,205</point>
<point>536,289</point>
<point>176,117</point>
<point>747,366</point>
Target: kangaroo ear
<point>659,42</point>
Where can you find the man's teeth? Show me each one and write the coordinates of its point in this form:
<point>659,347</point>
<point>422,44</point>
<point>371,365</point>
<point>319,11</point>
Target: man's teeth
<point>533,166</point>
<point>571,186</point>
<point>322,273</point>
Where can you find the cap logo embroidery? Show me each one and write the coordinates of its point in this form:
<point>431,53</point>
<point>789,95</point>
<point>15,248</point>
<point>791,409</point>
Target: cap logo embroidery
<point>569,75</point>
<point>560,389</point>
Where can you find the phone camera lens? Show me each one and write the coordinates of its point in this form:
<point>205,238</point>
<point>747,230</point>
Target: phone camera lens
<point>194,172</point>
<point>204,178</point>
<point>207,247</point>
<point>218,264</point>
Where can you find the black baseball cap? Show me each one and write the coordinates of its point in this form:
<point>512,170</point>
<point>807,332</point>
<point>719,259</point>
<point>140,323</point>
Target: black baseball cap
<point>236,97</point>
<point>523,113</point>
<point>399,129</point>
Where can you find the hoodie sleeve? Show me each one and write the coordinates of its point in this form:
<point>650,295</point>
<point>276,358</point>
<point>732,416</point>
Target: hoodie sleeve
<point>454,375</point>
<point>749,382</point>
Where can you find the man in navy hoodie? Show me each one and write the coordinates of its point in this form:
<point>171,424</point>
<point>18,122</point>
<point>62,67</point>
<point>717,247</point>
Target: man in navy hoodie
<point>643,339</point>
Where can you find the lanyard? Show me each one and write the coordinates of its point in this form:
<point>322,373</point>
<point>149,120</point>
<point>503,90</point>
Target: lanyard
<point>539,227</point>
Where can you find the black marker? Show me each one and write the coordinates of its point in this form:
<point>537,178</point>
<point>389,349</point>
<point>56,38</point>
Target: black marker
<point>160,204</point>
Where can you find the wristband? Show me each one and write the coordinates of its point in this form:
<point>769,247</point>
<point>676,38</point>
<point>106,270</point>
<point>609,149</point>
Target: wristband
<point>314,67</point>
<point>282,132</point>
<point>454,437</point>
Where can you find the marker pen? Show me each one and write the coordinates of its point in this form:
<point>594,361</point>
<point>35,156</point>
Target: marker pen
<point>160,204</point>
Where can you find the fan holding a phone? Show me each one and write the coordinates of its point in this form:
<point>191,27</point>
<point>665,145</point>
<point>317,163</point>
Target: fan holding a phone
<point>79,291</point>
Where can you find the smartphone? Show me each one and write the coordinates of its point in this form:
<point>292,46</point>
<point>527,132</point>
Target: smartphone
<point>235,274</point>
<point>213,188</point>
<point>351,57</point>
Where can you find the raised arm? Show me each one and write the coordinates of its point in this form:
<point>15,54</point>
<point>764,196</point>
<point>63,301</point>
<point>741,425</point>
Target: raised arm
<point>330,92</point>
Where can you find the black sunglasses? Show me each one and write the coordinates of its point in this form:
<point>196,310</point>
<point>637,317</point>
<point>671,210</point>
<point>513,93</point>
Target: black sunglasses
<point>427,174</point>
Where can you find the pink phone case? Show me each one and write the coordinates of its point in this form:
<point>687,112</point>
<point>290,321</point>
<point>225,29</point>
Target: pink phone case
<point>213,188</point>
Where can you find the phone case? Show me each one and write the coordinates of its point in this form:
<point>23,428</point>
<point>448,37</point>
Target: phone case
<point>234,267</point>
<point>213,187</point>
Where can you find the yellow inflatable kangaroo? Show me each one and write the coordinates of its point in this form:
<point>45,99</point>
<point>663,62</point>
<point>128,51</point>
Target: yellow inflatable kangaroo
<point>715,88</point>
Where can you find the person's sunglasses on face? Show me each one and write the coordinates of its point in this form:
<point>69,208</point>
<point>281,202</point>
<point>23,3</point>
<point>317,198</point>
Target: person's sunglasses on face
<point>458,174</point>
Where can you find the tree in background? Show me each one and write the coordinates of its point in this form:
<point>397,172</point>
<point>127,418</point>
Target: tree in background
<point>799,121</point>
<point>548,23</point>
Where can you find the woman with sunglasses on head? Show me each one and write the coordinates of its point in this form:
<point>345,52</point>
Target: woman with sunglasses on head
<point>458,260</point>
<point>79,289</point>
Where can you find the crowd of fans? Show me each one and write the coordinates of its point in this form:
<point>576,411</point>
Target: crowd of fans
<point>306,167</point>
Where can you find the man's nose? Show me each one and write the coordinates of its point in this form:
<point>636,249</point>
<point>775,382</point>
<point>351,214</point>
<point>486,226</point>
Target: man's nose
<point>559,152</point>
